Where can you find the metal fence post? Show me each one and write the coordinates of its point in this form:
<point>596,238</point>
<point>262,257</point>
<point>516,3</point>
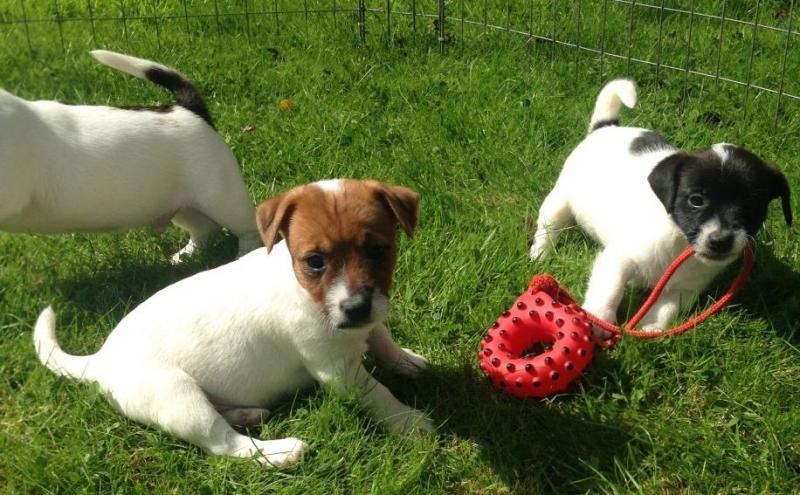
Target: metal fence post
<point>630,38</point>
<point>750,64</point>
<point>441,33</point>
<point>91,20</point>
<point>388,22</point>
<point>277,18</point>
<point>27,29</point>
<point>603,37</point>
<point>719,43</point>
<point>158,28</point>
<point>783,63</point>
<point>546,19</point>
<point>124,20</point>
<point>362,20</point>
<point>59,23</point>
<point>414,16</point>
<point>688,66</point>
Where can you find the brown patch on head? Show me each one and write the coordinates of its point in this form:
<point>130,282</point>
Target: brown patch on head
<point>343,231</point>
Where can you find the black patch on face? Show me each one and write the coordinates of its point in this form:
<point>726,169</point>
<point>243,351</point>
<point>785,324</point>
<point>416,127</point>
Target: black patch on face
<point>604,123</point>
<point>699,187</point>
<point>648,141</point>
<point>185,93</point>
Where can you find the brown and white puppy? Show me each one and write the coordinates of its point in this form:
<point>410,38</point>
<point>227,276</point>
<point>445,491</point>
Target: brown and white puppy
<point>341,235</point>
<point>216,348</point>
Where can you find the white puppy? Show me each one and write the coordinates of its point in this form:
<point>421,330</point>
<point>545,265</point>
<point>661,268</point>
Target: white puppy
<point>67,168</point>
<point>214,349</point>
<point>646,201</point>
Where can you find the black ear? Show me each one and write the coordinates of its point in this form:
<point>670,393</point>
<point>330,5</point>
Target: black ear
<point>664,179</point>
<point>780,189</point>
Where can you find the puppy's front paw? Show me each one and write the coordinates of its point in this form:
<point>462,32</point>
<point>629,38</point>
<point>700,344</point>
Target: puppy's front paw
<point>600,334</point>
<point>279,453</point>
<point>411,420</point>
<point>184,253</point>
<point>538,251</point>
<point>604,314</point>
<point>653,327</point>
<point>411,363</point>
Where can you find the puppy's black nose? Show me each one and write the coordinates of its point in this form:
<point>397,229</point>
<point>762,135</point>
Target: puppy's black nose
<point>720,242</point>
<point>358,307</point>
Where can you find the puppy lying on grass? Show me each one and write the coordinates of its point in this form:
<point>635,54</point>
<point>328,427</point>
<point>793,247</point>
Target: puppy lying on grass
<point>216,348</point>
<point>67,168</point>
<point>645,201</point>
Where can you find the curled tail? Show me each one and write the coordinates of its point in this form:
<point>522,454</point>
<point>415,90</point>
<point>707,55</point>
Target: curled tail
<point>50,353</point>
<point>609,102</point>
<point>185,93</point>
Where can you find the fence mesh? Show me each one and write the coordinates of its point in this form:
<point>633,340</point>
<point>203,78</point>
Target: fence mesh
<point>749,44</point>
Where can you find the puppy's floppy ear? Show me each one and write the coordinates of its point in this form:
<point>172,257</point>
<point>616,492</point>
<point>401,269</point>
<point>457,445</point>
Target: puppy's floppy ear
<point>780,189</point>
<point>403,203</point>
<point>664,179</point>
<point>272,217</point>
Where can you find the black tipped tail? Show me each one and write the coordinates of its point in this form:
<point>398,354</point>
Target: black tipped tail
<point>609,102</point>
<point>185,93</point>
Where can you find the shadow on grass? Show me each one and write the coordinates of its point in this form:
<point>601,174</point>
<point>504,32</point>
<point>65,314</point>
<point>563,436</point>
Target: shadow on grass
<point>773,293</point>
<point>128,280</point>
<point>533,445</point>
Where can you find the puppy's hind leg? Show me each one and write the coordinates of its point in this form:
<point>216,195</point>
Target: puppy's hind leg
<point>233,209</point>
<point>172,400</point>
<point>200,228</point>
<point>554,215</point>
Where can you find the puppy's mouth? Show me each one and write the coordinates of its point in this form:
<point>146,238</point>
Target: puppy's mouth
<point>714,257</point>
<point>355,324</point>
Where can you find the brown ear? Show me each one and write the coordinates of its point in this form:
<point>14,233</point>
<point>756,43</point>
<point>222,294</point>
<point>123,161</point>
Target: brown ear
<point>272,217</point>
<point>404,204</point>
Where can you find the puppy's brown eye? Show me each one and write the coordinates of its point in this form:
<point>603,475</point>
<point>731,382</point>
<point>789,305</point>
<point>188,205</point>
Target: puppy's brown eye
<point>315,263</point>
<point>375,252</point>
<point>697,200</point>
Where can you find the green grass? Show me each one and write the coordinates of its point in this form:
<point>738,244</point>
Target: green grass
<point>480,132</point>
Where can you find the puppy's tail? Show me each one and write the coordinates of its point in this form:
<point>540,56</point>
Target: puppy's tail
<point>185,93</point>
<point>609,102</point>
<point>50,353</point>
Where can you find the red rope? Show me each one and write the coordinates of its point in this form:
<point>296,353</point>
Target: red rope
<point>629,329</point>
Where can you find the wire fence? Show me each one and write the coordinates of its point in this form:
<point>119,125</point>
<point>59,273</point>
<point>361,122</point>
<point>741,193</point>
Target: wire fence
<point>749,44</point>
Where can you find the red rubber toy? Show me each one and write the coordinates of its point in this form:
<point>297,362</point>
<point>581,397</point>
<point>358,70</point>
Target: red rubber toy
<point>547,315</point>
<point>538,318</point>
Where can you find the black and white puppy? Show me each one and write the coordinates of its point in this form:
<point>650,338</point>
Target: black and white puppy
<point>67,168</point>
<point>645,201</point>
